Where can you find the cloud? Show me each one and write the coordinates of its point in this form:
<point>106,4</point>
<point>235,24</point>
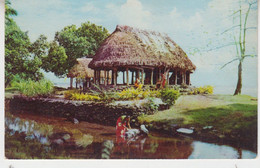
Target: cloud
<point>89,7</point>
<point>131,13</point>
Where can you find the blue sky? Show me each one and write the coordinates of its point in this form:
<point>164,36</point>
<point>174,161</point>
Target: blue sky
<point>193,24</point>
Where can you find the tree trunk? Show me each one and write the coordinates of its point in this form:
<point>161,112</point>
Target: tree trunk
<point>239,81</point>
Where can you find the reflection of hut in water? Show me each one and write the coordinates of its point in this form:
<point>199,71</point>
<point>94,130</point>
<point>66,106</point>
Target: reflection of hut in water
<point>141,54</point>
<point>83,74</point>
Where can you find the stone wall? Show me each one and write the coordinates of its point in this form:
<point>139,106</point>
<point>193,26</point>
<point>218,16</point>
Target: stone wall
<point>97,112</point>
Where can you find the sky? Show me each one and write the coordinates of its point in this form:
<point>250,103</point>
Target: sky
<point>197,26</point>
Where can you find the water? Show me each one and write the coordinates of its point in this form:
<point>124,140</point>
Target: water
<point>39,137</point>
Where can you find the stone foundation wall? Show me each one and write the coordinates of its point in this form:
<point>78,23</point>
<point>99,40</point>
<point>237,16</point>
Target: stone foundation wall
<point>97,112</point>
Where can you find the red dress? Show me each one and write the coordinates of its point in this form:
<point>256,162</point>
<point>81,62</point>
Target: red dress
<point>120,127</point>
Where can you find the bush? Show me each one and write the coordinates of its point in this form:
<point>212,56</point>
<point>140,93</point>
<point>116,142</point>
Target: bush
<point>202,90</point>
<point>68,94</point>
<point>32,88</point>
<point>169,96</point>
<point>76,95</point>
<point>132,93</point>
<point>150,104</point>
<point>84,97</point>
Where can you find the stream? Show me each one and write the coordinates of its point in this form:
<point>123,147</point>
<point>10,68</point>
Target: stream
<point>29,136</point>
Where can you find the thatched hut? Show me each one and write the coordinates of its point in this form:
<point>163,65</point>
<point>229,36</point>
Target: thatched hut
<point>146,54</point>
<point>82,72</point>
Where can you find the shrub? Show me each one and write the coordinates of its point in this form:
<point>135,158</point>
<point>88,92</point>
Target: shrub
<point>202,90</point>
<point>169,96</point>
<point>150,104</point>
<point>68,94</point>
<point>84,97</point>
<point>32,88</point>
<point>132,93</point>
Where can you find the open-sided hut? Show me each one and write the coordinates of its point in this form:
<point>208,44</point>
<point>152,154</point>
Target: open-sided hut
<point>146,54</point>
<point>81,71</point>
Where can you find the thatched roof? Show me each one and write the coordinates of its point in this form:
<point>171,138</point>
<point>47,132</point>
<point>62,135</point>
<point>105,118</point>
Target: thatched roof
<point>81,70</point>
<point>128,46</point>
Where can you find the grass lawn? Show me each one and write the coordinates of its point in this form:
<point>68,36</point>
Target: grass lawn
<point>233,116</point>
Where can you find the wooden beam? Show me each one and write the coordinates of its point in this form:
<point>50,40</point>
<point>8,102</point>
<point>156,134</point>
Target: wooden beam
<point>95,76</point>
<point>160,78</point>
<point>123,77</point>
<point>142,76</point>
<point>71,83</point>
<point>175,77</point>
<point>107,77</point>
<point>132,78</point>
<point>115,77</point>
<point>98,77</point>
<point>112,82</point>
<point>105,81</point>
<point>152,77</point>
<point>127,77</point>
<point>168,78</point>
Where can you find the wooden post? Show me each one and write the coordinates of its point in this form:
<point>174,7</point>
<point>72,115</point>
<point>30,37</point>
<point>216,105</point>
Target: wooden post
<point>138,74</point>
<point>152,77</point>
<point>160,78</point>
<point>71,83</point>
<point>188,78</point>
<point>95,76</point>
<point>112,82</point>
<point>182,77</point>
<point>105,81</point>
<point>108,77</point>
<point>132,77</point>
<point>142,76</point>
<point>127,77</point>
<point>98,76</point>
<point>123,77</point>
<point>168,77</point>
<point>115,77</point>
<point>175,77</point>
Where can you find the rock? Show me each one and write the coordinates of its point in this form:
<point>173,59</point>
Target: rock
<point>207,127</point>
<point>143,129</point>
<point>58,141</point>
<point>75,121</point>
<point>66,137</point>
<point>185,131</point>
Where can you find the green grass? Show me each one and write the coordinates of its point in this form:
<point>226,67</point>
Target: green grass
<point>224,112</point>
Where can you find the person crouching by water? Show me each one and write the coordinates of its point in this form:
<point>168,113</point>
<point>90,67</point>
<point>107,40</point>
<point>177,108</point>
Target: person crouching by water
<point>122,125</point>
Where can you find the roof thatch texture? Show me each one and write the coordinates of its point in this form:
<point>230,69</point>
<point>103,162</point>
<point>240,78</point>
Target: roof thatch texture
<point>128,46</point>
<point>81,70</point>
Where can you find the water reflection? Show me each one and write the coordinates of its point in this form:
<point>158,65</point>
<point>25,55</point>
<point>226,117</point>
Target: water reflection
<point>204,150</point>
<point>41,137</point>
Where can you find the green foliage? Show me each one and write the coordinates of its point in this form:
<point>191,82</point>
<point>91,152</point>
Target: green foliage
<point>21,57</point>
<point>202,90</point>
<point>132,93</point>
<point>9,11</point>
<point>169,96</point>
<point>71,43</point>
<point>56,59</point>
<point>31,88</point>
<point>76,95</point>
<point>150,104</point>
